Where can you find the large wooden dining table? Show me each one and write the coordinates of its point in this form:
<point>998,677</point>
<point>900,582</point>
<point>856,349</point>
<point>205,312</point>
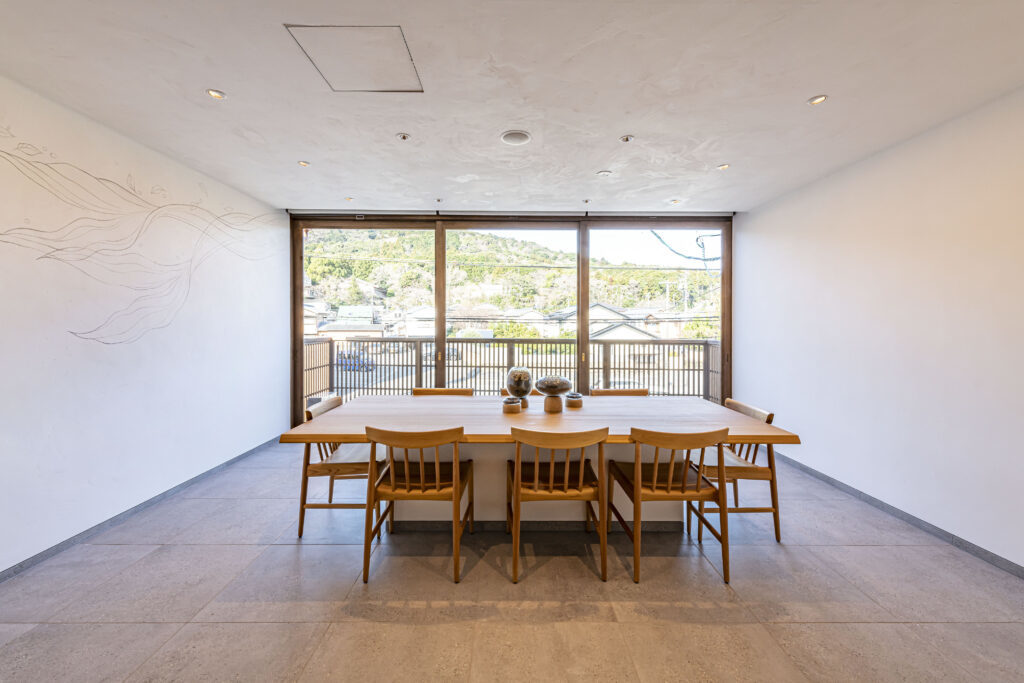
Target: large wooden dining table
<point>488,437</point>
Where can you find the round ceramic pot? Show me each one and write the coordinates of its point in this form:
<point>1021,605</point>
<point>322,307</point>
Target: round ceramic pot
<point>553,385</point>
<point>519,382</point>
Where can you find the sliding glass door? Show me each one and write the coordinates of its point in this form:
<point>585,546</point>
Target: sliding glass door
<point>511,301</point>
<point>655,310</point>
<point>368,311</point>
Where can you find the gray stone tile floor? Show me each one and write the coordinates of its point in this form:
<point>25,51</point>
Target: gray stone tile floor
<point>212,584</point>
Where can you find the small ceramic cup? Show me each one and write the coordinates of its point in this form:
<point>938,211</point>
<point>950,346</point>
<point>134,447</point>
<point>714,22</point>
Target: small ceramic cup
<point>511,405</point>
<point>574,400</point>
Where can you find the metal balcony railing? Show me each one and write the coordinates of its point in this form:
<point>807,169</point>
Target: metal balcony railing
<point>358,367</point>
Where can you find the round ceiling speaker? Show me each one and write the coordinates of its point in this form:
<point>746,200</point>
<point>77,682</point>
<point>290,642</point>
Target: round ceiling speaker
<point>515,137</point>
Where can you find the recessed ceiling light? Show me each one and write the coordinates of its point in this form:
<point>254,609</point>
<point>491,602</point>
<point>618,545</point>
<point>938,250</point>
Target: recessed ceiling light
<point>675,201</point>
<point>586,201</point>
<point>438,200</point>
<point>303,163</point>
<point>216,94</point>
<point>626,138</point>
<point>515,137</point>
<point>722,167</point>
<point>605,172</point>
<point>402,136</point>
<point>349,199</point>
<point>817,99</point>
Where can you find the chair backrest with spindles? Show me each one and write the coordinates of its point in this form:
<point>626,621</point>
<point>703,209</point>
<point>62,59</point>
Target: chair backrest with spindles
<point>621,392</point>
<point>416,479</point>
<point>690,445</point>
<point>748,451</point>
<point>545,469</point>
<point>437,391</point>
<point>324,450</point>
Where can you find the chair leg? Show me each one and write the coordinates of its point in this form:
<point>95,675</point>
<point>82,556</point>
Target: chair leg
<point>515,536</point>
<point>508,498</point>
<point>775,493</point>
<point>700,524</point>
<point>608,498</point>
<point>391,517</point>
<point>330,491</point>
<point>602,527</point>
<point>689,514</point>
<point>376,518</point>
<point>303,489</point>
<point>456,530</point>
<point>636,537</point>
<point>723,530</point>
<point>736,491</point>
<point>472,508</point>
<point>368,531</point>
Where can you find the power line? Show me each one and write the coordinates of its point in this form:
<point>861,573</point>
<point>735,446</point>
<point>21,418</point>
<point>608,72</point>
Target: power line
<point>630,321</point>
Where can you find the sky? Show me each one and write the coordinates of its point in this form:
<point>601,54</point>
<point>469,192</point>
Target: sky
<point>628,246</point>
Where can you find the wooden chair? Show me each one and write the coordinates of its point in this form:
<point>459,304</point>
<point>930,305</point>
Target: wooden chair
<point>681,479</point>
<point>555,478</point>
<point>741,463</point>
<point>422,479</point>
<point>337,461</point>
<point>621,392</point>
<point>436,391</point>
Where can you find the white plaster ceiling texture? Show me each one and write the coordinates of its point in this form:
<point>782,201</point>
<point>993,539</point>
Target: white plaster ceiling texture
<point>697,82</point>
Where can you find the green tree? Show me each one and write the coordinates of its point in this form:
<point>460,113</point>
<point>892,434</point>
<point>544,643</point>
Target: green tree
<point>515,329</point>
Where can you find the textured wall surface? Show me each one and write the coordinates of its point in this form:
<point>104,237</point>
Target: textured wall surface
<point>879,312</point>
<point>143,323</point>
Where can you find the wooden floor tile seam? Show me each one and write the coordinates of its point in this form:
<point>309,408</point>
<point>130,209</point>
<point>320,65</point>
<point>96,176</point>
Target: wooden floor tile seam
<point>827,567</point>
<point>937,653</point>
<point>622,651</point>
<point>313,650</point>
<point>64,606</point>
<point>911,622</point>
<point>226,582</point>
<point>616,620</point>
<point>155,650</point>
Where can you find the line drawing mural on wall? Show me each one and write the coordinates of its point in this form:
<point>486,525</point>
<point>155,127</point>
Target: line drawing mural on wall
<point>149,247</point>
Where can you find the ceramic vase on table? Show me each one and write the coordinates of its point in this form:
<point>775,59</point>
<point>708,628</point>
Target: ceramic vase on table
<point>553,386</point>
<point>519,383</point>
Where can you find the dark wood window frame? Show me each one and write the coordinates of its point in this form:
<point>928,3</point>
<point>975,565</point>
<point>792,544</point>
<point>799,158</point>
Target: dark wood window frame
<point>440,224</point>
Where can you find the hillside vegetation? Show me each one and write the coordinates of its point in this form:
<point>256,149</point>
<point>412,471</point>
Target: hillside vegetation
<point>488,269</point>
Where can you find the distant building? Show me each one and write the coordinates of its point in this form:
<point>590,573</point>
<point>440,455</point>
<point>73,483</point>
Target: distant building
<point>623,331</point>
<point>418,322</point>
<point>357,315</point>
<point>601,316</point>
<point>315,311</point>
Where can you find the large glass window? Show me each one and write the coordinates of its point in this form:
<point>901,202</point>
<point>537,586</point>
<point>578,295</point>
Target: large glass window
<point>511,302</point>
<point>368,311</point>
<point>655,310</point>
<point>512,296</point>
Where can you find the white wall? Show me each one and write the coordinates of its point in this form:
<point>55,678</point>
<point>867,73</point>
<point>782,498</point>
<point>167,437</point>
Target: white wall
<point>880,312</point>
<point>177,288</point>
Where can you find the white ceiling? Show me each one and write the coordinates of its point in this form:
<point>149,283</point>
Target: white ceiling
<point>698,82</point>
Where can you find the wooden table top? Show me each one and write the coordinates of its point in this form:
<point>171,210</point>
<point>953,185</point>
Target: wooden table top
<point>483,421</point>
